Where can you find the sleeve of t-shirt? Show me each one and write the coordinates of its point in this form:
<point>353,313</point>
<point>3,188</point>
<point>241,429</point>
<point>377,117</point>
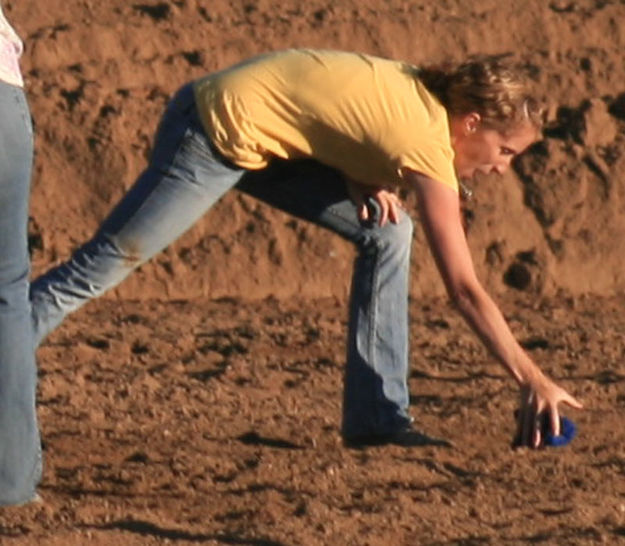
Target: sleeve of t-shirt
<point>434,161</point>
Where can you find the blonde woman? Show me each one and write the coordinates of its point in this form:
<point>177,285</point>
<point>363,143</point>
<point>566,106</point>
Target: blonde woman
<point>326,135</point>
<point>20,459</point>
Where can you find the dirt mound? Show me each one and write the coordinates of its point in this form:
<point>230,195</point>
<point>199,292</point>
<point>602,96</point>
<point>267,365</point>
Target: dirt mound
<point>98,76</point>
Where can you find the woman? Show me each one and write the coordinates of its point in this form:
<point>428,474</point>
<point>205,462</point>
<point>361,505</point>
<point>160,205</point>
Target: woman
<point>20,457</point>
<point>313,132</point>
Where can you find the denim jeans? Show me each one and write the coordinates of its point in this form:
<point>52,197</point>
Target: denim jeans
<point>20,452</point>
<point>184,178</point>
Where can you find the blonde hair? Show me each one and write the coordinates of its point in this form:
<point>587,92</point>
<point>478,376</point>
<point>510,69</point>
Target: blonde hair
<point>486,85</point>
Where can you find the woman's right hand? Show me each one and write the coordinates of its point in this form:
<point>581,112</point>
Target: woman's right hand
<point>387,200</point>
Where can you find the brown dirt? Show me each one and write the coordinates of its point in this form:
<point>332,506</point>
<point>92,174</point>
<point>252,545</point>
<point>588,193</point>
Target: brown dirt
<point>199,404</point>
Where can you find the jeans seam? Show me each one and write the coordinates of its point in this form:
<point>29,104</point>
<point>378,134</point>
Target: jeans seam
<point>20,100</point>
<point>373,330</point>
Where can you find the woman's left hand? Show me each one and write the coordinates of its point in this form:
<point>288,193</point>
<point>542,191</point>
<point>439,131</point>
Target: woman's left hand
<point>387,200</point>
<point>539,401</point>
<point>540,396</point>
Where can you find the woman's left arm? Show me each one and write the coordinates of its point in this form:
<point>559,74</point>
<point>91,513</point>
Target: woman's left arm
<point>441,217</point>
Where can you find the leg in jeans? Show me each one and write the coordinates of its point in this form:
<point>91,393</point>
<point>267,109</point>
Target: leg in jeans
<point>376,394</point>
<point>183,180</point>
<point>20,451</point>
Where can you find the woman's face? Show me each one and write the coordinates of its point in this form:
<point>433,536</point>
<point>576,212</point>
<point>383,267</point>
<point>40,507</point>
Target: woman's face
<point>483,150</point>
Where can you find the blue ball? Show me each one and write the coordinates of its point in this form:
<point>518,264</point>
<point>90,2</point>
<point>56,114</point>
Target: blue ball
<point>568,430</point>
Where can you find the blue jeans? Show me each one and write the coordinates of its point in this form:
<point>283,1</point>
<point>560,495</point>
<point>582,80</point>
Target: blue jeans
<point>184,178</point>
<point>20,452</point>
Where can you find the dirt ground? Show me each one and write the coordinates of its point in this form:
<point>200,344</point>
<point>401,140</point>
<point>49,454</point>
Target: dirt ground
<point>216,422</point>
<point>199,403</point>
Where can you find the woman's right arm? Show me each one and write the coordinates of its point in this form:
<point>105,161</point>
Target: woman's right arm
<point>440,214</point>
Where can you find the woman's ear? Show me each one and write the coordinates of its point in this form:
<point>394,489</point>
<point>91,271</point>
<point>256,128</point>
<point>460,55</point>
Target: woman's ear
<point>471,123</point>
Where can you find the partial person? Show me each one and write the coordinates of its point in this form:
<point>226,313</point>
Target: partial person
<point>329,136</point>
<point>20,451</point>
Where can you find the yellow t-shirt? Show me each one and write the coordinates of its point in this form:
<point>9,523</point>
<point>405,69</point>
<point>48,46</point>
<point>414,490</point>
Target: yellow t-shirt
<point>365,116</point>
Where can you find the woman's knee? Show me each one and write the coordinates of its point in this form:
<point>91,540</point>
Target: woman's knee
<point>394,236</point>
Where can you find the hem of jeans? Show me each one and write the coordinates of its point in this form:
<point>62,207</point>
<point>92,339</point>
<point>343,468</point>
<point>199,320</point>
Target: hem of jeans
<point>375,431</point>
<point>33,497</point>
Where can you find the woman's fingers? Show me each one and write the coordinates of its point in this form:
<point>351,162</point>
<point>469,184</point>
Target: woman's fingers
<point>393,213</point>
<point>573,402</point>
<point>363,212</point>
<point>554,414</point>
<point>538,408</point>
<point>554,419</point>
<point>526,420</point>
<point>387,201</point>
<point>389,204</point>
<point>530,419</point>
